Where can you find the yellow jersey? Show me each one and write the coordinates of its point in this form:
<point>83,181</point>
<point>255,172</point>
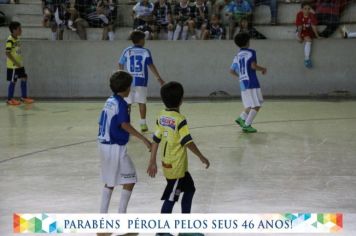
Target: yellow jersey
<point>13,47</point>
<point>173,134</point>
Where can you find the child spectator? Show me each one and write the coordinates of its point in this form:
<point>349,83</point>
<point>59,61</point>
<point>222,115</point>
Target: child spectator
<point>200,19</point>
<point>137,60</point>
<point>143,17</point>
<point>306,31</point>
<point>237,10</point>
<point>184,17</point>
<point>245,27</point>
<point>215,29</point>
<point>15,67</point>
<point>173,134</point>
<point>163,28</point>
<point>55,16</point>
<point>244,68</point>
<point>114,132</point>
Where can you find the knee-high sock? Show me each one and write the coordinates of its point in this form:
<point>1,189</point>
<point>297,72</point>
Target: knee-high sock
<point>307,50</point>
<point>167,207</point>
<point>170,34</point>
<point>251,116</point>
<point>244,115</point>
<point>105,200</point>
<point>124,200</point>
<point>54,36</point>
<point>11,90</point>
<point>24,88</point>
<point>187,202</point>
<point>185,32</point>
<point>111,35</point>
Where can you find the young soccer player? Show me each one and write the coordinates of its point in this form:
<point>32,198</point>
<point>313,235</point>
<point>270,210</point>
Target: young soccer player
<point>172,133</point>
<point>306,23</point>
<point>114,131</point>
<point>244,67</point>
<point>137,60</point>
<point>15,67</point>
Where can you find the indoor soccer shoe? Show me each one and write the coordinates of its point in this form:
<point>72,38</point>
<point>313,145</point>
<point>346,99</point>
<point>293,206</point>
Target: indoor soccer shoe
<point>249,129</point>
<point>144,128</point>
<point>13,102</point>
<point>240,122</point>
<point>308,63</point>
<point>27,100</point>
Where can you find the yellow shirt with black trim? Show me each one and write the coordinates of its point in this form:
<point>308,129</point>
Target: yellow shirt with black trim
<point>13,47</point>
<point>173,134</point>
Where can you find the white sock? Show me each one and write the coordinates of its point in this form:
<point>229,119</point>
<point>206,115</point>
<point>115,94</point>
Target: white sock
<point>142,121</point>
<point>251,116</point>
<point>54,36</point>
<point>351,35</point>
<point>307,50</point>
<point>111,36</point>
<point>170,35</point>
<point>185,33</point>
<point>147,33</point>
<point>124,200</point>
<point>105,200</point>
<point>243,115</point>
<point>177,32</point>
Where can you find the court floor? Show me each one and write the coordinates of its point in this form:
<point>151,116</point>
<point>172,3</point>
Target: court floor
<point>303,159</point>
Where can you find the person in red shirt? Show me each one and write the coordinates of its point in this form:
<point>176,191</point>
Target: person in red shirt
<point>306,30</point>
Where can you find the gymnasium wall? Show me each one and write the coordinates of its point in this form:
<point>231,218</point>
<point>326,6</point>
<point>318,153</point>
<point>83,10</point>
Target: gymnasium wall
<point>80,69</point>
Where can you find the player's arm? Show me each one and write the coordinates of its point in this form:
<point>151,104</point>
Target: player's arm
<point>131,130</point>
<point>156,74</point>
<point>194,149</point>
<point>258,68</point>
<point>234,74</point>
<point>152,165</point>
<point>315,30</point>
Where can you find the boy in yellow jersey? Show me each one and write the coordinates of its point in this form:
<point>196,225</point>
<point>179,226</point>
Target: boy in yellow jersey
<point>172,133</point>
<point>14,64</point>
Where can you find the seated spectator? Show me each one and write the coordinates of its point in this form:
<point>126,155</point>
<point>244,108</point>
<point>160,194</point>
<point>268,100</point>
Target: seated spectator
<point>163,26</point>
<point>306,30</point>
<point>215,30</point>
<point>346,34</point>
<point>246,27</point>
<point>201,15</point>
<point>77,23</point>
<point>237,10</point>
<point>328,13</point>
<point>273,5</point>
<point>143,17</point>
<point>184,19</point>
<point>55,16</point>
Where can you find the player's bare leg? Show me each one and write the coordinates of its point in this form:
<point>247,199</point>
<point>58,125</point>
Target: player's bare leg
<point>143,111</point>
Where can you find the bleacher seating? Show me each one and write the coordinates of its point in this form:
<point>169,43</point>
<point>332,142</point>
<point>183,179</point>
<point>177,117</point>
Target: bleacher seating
<point>29,13</point>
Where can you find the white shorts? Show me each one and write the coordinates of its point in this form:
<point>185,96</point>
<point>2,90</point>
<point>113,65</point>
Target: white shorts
<point>116,165</point>
<point>138,94</point>
<point>252,98</point>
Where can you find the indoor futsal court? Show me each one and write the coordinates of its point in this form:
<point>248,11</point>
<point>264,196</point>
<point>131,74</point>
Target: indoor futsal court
<point>301,160</point>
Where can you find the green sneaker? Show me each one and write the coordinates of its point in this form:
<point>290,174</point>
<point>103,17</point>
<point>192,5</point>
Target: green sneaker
<point>144,128</point>
<point>249,129</point>
<point>240,122</point>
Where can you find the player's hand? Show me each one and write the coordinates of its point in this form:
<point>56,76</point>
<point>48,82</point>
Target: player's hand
<point>264,71</point>
<point>161,82</point>
<point>205,161</point>
<point>152,169</point>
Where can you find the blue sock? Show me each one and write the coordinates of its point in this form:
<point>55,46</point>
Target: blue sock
<point>187,202</point>
<point>167,207</point>
<point>24,88</point>
<point>11,91</point>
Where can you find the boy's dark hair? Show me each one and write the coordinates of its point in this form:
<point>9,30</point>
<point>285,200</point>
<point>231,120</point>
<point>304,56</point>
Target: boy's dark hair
<point>120,81</point>
<point>305,3</point>
<point>14,25</point>
<point>242,39</point>
<point>136,36</point>
<point>172,94</point>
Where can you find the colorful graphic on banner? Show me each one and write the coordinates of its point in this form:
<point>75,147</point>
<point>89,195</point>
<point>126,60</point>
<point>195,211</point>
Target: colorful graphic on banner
<point>35,223</point>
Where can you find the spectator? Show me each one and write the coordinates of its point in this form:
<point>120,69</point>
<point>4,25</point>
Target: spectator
<point>246,27</point>
<point>184,17</point>
<point>143,17</point>
<point>201,18</point>
<point>163,27</point>
<point>328,13</point>
<point>55,16</point>
<point>77,23</point>
<point>306,30</point>
<point>346,34</point>
<point>273,5</point>
<point>237,10</point>
<point>215,29</point>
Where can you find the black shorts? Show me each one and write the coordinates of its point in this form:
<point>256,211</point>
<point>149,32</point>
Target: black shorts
<point>176,186</point>
<point>14,74</point>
